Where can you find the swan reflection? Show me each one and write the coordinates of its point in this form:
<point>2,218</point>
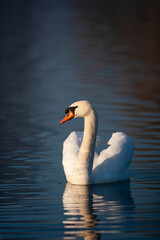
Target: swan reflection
<point>87,208</point>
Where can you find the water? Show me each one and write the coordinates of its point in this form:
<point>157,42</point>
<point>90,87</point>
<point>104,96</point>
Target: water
<point>52,54</point>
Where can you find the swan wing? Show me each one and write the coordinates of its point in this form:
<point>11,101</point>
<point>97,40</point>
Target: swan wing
<point>113,162</point>
<point>71,148</point>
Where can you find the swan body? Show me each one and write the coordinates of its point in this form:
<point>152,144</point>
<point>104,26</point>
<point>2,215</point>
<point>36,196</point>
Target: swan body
<point>82,165</point>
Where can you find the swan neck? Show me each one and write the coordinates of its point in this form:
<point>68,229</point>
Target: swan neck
<point>84,163</point>
<point>90,133</point>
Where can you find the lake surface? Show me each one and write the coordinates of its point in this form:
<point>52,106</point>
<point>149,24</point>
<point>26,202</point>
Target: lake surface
<point>52,54</point>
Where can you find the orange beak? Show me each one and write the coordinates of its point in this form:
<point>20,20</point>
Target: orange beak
<point>69,116</point>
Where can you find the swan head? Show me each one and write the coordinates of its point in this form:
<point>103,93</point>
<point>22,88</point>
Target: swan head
<point>78,109</point>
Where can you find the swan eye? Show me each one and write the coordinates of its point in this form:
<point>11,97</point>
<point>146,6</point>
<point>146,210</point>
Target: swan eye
<point>67,111</point>
<point>72,109</point>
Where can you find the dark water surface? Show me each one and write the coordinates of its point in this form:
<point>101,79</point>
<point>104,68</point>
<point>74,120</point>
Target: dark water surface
<point>52,54</point>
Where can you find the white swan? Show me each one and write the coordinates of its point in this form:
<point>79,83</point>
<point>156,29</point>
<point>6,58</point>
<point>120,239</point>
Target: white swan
<point>82,165</point>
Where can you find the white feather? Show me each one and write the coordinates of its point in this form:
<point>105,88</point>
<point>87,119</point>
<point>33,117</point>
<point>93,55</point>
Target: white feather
<point>111,165</point>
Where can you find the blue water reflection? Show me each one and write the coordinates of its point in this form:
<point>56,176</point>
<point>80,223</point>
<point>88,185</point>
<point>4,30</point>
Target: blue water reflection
<point>92,208</point>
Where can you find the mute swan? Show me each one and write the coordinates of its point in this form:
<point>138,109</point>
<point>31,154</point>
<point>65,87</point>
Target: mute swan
<point>82,165</point>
